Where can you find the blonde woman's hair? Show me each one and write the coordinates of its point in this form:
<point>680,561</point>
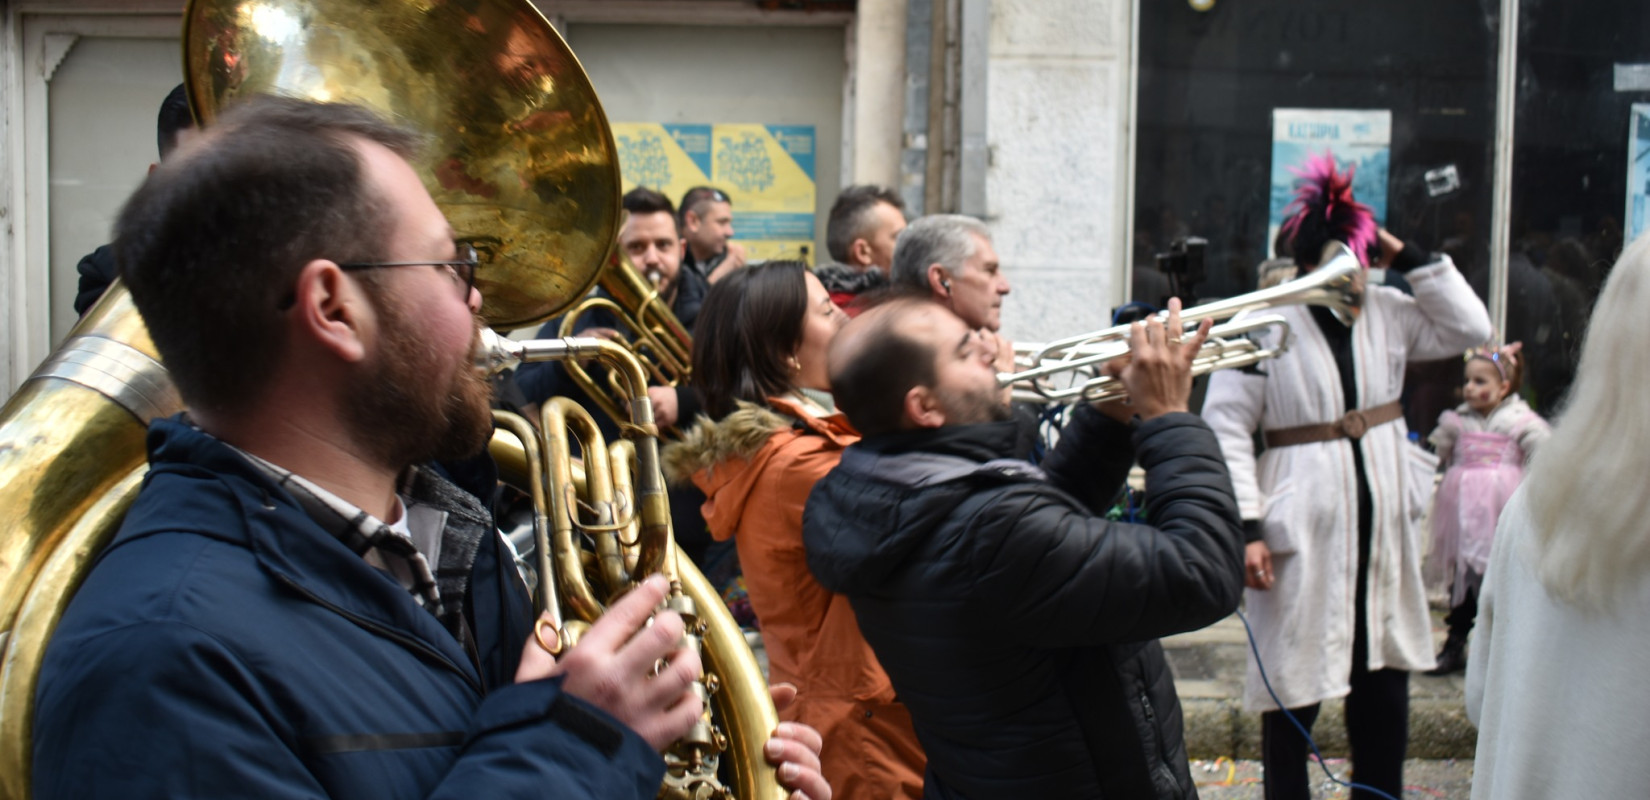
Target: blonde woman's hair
<point>1586,485</point>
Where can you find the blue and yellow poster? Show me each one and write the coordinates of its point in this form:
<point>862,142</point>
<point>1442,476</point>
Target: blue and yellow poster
<point>1358,139</point>
<point>767,172</point>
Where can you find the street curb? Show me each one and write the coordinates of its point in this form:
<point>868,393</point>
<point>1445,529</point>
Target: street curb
<point>1219,727</point>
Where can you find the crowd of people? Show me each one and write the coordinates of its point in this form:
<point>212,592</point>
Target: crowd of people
<point>310,596</point>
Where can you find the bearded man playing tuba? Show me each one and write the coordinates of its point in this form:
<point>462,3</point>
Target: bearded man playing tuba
<point>297,604</point>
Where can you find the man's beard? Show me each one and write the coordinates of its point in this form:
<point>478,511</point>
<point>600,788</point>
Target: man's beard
<point>976,406</point>
<point>400,418</point>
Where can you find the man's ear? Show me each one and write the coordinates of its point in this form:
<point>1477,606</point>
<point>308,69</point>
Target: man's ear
<point>330,310</point>
<point>922,408</point>
<point>860,252</point>
<point>939,281</point>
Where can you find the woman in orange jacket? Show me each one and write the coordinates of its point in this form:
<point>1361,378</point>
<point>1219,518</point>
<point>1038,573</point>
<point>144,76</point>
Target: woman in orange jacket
<point>759,363</point>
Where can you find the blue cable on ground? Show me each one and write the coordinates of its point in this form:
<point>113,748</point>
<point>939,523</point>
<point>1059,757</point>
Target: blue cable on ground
<point>1253,648</point>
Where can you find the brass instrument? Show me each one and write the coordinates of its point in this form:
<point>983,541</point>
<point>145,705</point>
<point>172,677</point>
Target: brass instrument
<point>655,336</point>
<point>522,163</point>
<point>1070,370</point>
<point>71,458</point>
<point>628,530</point>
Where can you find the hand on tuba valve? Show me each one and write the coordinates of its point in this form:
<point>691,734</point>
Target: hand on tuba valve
<point>658,700</point>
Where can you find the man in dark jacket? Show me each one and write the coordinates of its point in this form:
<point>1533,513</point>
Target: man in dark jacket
<point>294,607</point>
<point>1017,624</point>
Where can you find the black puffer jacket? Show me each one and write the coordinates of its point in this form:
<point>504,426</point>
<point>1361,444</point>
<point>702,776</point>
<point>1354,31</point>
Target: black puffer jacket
<point>1019,626</point>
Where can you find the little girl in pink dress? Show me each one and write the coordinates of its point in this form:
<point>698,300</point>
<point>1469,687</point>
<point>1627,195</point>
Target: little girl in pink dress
<point>1485,442</point>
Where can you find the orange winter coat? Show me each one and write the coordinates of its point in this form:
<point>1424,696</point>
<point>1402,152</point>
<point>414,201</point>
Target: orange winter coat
<point>756,468</point>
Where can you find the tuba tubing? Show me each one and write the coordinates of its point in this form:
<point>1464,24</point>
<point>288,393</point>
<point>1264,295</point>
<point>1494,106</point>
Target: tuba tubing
<point>660,342</point>
<point>71,458</point>
<point>734,683</point>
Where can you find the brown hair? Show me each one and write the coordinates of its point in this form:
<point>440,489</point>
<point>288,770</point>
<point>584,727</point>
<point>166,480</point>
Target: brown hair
<point>216,236</point>
<point>748,328</point>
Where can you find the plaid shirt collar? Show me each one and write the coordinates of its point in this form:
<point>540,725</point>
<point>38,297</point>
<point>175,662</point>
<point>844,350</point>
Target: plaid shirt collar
<point>365,535</point>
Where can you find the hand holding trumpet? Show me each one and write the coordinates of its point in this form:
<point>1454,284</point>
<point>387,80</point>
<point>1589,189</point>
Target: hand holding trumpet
<point>1158,370</point>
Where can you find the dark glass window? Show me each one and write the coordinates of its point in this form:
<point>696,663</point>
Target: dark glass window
<point>1570,173</point>
<point>1209,82</point>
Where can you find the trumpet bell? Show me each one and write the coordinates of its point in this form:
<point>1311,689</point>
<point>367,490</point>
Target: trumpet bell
<point>518,153</point>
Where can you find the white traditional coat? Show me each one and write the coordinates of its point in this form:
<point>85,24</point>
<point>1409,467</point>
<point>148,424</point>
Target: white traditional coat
<point>1306,495</point>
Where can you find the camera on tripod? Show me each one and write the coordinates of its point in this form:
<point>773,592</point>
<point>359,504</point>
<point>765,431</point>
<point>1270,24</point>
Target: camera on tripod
<point>1182,264</point>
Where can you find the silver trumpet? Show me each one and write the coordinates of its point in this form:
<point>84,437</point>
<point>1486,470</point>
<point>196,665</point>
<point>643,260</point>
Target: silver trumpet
<point>1072,369</point>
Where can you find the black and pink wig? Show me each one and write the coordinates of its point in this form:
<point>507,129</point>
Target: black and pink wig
<point>1323,209</point>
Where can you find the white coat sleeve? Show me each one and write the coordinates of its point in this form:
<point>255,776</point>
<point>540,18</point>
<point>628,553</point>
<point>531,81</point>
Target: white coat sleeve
<point>1233,408</point>
<point>1444,317</point>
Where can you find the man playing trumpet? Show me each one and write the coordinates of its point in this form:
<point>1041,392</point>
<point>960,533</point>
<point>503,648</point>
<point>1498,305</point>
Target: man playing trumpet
<point>1016,623</point>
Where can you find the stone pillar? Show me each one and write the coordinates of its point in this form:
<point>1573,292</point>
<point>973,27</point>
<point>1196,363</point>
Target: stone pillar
<point>1057,173</point>
<point>876,94</point>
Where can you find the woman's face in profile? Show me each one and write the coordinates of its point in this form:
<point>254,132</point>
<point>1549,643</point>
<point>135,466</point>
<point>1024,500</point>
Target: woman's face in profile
<point>821,320</point>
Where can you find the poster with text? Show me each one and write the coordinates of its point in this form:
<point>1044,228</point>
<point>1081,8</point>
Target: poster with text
<point>1638,170</point>
<point>767,172</point>
<point>1360,140</point>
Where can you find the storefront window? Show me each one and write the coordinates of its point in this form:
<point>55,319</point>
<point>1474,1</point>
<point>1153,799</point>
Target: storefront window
<point>1211,82</point>
<point>1582,67</point>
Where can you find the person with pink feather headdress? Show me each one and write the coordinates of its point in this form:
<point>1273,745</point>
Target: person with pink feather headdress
<point>1332,503</point>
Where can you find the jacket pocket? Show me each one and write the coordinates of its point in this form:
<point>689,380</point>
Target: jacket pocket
<point>1279,522</point>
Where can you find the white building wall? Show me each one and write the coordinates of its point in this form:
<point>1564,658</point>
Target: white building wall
<point>1057,175</point>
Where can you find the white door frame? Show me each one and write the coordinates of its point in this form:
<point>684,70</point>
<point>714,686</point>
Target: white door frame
<point>39,44</point>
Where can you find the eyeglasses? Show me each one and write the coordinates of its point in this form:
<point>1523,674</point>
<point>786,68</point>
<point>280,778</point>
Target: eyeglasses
<point>463,270</point>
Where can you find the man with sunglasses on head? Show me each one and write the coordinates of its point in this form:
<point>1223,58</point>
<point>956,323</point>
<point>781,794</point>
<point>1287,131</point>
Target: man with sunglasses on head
<point>707,228</point>
<point>296,604</point>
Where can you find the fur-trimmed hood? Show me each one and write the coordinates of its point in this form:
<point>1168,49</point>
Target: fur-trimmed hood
<point>747,462</point>
<point>710,442</point>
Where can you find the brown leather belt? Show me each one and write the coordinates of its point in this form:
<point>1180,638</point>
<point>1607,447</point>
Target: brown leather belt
<point>1352,426</point>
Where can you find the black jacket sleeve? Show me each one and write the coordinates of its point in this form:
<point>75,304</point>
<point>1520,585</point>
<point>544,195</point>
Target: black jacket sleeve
<point>1092,459</point>
<point>97,271</point>
<point>1076,579</point>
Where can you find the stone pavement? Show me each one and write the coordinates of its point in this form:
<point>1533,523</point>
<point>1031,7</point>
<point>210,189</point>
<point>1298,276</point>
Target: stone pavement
<point>1425,779</point>
<point>1209,667</point>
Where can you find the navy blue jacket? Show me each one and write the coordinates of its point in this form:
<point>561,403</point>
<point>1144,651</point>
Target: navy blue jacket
<point>1017,624</point>
<point>225,645</point>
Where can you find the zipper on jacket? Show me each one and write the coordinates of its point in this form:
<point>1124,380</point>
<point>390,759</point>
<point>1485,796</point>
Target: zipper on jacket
<point>1162,775</point>
<point>399,637</point>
